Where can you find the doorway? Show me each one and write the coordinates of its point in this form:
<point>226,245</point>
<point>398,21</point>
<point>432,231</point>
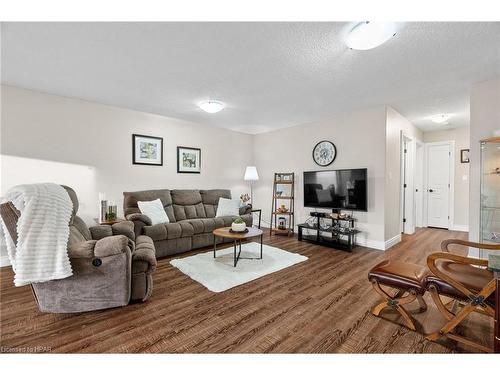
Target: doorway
<point>438,195</point>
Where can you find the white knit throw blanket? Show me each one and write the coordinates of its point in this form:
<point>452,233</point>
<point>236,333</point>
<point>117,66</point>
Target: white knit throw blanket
<point>42,233</point>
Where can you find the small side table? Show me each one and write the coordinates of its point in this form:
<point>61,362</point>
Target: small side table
<point>260,214</point>
<point>109,222</point>
<point>494,265</point>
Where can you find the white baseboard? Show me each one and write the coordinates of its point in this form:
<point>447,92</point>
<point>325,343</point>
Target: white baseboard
<point>4,261</point>
<point>460,228</point>
<point>392,241</point>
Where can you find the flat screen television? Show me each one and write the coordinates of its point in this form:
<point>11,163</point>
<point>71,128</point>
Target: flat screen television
<point>343,189</point>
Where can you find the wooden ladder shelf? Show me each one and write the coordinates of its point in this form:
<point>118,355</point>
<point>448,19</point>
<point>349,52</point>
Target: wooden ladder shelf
<point>284,183</point>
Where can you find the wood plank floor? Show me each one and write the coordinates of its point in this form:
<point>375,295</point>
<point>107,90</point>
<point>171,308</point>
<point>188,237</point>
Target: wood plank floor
<point>318,306</point>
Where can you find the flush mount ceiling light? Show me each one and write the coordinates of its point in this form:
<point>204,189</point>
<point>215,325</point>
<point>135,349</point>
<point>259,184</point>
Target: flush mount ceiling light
<point>368,35</point>
<point>440,119</point>
<point>212,106</point>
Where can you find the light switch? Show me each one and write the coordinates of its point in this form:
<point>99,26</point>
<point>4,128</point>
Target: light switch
<point>465,177</point>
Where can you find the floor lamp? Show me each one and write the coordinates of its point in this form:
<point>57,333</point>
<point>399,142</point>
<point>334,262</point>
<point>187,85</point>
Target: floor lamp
<point>251,175</point>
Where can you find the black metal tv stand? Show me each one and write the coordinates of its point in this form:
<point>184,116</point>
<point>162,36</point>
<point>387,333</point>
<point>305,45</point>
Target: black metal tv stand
<point>340,235</point>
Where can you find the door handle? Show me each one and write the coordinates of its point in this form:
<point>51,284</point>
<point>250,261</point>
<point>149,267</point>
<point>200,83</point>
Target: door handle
<point>430,191</point>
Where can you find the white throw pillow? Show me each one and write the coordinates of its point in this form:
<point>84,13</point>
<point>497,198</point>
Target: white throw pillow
<point>228,207</point>
<point>154,210</point>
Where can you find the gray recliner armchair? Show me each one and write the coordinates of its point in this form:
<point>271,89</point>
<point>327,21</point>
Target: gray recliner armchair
<point>111,266</point>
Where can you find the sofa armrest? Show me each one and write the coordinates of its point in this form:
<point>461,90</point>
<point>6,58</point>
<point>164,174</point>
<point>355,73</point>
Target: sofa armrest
<point>140,221</point>
<point>139,217</point>
<point>125,228</point>
<point>245,210</point>
<point>145,252</point>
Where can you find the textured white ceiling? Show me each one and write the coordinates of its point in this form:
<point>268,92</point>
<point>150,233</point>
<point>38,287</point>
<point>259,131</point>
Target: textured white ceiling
<point>270,75</point>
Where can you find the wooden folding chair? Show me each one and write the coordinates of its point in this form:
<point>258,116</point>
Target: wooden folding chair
<point>468,283</point>
<point>406,279</point>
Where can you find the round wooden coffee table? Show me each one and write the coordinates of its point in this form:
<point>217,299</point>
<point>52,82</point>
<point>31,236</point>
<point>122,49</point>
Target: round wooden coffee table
<point>237,238</point>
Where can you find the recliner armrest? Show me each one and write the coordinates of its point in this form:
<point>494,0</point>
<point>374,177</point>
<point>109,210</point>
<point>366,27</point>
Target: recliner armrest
<point>104,247</point>
<point>113,245</point>
<point>145,251</point>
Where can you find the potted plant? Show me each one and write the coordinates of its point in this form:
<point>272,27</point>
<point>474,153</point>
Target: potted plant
<point>238,225</point>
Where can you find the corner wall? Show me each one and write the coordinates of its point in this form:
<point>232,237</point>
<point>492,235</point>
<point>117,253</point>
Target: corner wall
<point>396,124</point>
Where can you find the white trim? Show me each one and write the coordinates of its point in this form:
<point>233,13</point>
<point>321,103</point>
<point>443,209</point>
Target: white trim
<point>407,197</point>
<point>378,245</point>
<point>451,166</point>
<point>460,228</point>
<point>4,261</point>
<point>392,241</point>
<point>372,244</point>
<point>419,183</point>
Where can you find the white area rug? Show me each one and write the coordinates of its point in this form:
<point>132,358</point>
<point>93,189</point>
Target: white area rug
<point>219,274</point>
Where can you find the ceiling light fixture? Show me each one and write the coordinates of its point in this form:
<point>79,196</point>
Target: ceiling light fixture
<point>440,119</point>
<point>212,106</point>
<point>368,35</point>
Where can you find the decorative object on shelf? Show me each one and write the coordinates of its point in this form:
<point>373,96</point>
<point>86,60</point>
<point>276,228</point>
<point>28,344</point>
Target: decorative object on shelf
<point>147,150</point>
<point>251,175</point>
<point>238,225</point>
<point>464,156</point>
<point>188,159</point>
<point>324,153</point>
<point>281,223</point>
<point>283,191</point>
<point>282,209</point>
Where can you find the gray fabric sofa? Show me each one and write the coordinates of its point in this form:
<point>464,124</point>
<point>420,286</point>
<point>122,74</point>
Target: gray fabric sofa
<point>191,214</point>
<point>111,265</point>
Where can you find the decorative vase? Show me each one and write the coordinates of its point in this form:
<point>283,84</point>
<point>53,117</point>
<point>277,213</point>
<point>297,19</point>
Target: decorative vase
<point>238,227</point>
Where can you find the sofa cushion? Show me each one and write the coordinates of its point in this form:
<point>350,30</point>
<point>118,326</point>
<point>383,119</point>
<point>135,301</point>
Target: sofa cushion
<point>130,200</point>
<point>187,204</point>
<point>189,211</point>
<point>210,199</point>
<point>197,224</point>
<point>163,231</point>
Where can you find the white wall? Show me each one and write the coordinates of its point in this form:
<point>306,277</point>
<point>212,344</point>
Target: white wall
<point>396,125</point>
<point>461,200</point>
<point>484,120</point>
<point>360,141</point>
<point>88,146</point>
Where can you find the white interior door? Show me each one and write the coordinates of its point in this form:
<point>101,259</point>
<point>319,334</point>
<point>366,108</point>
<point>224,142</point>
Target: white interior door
<point>438,185</point>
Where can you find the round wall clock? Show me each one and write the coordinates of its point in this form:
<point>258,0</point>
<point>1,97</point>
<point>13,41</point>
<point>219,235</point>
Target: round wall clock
<point>324,153</point>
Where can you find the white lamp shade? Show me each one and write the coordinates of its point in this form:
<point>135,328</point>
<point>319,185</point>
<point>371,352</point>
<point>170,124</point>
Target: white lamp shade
<point>251,174</point>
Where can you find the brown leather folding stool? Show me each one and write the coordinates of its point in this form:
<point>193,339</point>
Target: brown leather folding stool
<point>408,281</point>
